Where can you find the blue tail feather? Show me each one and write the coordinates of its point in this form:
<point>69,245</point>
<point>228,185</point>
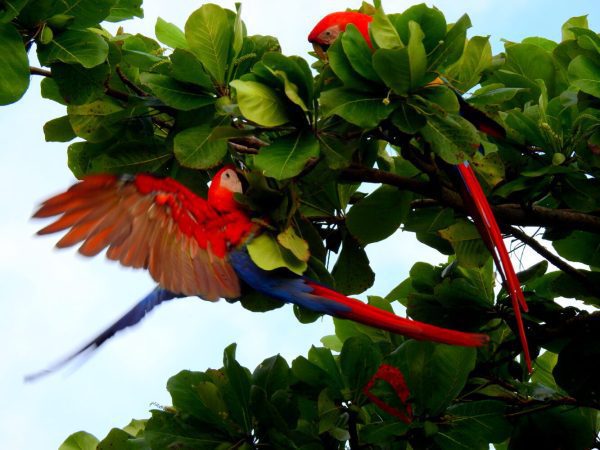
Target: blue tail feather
<point>130,318</point>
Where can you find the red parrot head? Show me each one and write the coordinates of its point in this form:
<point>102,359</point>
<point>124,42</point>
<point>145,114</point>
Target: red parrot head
<point>223,187</point>
<point>329,27</point>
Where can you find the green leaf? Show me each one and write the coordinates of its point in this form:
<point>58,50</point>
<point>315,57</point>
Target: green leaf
<point>260,103</point>
<point>210,37</point>
<point>383,31</point>
<point>359,360</point>
<point>237,390</point>
<point>584,74</point>
<point>75,46</point>
<point>80,441</point>
<point>86,13</point>
<point>574,371</point>
<point>340,64</point>
<point>96,121</point>
<point>362,109</point>
<point>187,68</point>
<point>532,62</point>
<point>435,373</point>
<point>431,21</point>
<point>14,65</point>
<point>378,215</point>
<point>175,94</point>
<point>170,34</point>
<point>352,272</point>
<point>287,156</point>
<point>197,148</point>
<point>10,9</point>
<point>59,130</point>
<point>467,71</point>
<point>403,69</point>
<point>272,374</point>
<point>124,10</point>
<point>269,255</point>
<point>358,53</point>
<point>452,137</point>
<point>294,243</point>
<point>466,242</point>
<point>78,85</point>
<point>408,119</point>
<point>451,47</point>
<point>49,89</point>
<point>474,425</point>
<point>578,21</point>
<point>580,246</point>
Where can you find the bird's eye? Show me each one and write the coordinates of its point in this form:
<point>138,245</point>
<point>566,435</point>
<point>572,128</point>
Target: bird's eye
<point>226,174</point>
<point>328,33</point>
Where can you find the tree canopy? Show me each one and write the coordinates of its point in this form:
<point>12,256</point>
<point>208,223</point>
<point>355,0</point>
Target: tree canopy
<point>310,135</point>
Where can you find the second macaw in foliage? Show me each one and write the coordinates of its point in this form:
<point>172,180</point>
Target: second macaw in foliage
<point>197,247</point>
<point>322,36</point>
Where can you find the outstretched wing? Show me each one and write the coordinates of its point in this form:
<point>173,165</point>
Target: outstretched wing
<point>147,222</point>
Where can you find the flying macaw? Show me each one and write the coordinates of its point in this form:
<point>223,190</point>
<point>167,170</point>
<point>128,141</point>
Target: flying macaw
<point>196,247</point>
<point>322,36</point>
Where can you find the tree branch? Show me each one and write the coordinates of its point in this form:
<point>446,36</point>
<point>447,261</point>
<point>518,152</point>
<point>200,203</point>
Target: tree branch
<point>553,259</point>
<point>510,213</point>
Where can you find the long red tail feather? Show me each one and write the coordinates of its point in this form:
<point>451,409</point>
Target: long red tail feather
<point>375,317</point>
<point>485,221</point>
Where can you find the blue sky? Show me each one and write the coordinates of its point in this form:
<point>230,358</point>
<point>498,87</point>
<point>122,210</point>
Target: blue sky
<point>52,301</point>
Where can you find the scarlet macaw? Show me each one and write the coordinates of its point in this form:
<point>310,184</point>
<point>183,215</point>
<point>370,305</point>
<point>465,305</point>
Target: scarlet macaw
<point>322,36</point>
<point>196,247</point>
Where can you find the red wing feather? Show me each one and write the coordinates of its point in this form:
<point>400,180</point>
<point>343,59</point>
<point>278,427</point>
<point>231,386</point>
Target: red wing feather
<point>151,223</point>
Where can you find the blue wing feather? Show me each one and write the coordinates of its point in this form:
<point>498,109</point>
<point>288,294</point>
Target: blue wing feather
<point>130,318</point>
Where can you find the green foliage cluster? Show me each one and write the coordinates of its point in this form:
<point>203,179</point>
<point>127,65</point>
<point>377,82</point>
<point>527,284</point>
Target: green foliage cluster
<point>196,98</point>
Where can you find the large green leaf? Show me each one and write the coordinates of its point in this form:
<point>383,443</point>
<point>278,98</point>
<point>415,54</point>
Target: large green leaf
<point>169,34</point>
<point>269,255</point>
<point>96,121</point>
<point>580,246</point>
<point>584,74</point>
<point>362,109</point>
<point>197,148</point>
<point>85,13</point>
<point>532,62</point>
<point>175,94</point>
<point>59,130</point>
<point>287,156</point>
<point>467,71</point>
<point>474,425</point>
<point>78,85</point>
<point>75,46</point>
<point>210,38</point>
<point>187,68</point>
<point>125,9</point>
<point>358,53</point>
<point>435,373</point>
<point>260,104</point>
<point>352,272</point>
<point>452,137</point>
<point>14,65</point>
<point>80,441</point>
<point>431,21</point>
<point>451,47</point>
<point>379,214</point>
<point>10,9</point>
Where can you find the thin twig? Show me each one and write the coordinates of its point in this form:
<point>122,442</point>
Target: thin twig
<point>553,259</point>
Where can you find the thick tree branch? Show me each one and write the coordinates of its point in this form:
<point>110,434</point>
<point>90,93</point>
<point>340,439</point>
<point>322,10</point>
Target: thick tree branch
<point>510,214</point>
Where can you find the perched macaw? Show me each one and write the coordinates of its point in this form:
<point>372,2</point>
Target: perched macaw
<point>322,36</point>
<point>196,247</point>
